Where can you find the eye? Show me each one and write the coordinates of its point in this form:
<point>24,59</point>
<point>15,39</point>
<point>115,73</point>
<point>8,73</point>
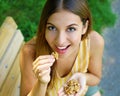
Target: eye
<point>71,29</point>
<point>51,28</point>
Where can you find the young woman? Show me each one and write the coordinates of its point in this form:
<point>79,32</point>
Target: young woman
<point>65,28</point>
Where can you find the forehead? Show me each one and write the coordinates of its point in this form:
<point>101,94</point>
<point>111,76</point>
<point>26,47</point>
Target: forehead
<point>64,16</point>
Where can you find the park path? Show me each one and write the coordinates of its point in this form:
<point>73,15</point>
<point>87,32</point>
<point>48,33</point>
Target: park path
<point>111,60</point>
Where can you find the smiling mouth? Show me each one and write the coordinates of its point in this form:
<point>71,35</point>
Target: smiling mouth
<point>62,50</point>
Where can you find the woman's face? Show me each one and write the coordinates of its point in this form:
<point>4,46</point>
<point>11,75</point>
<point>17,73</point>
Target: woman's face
<point>63,32</point>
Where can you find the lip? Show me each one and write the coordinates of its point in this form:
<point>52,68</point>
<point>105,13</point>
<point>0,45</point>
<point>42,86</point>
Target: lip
<point>62,51</point>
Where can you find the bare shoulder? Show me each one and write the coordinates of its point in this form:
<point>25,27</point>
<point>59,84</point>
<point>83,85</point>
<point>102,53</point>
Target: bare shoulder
<point>29,48</point>
<point>96,38</point>
<point>96,41</point>
<point>27,54</point>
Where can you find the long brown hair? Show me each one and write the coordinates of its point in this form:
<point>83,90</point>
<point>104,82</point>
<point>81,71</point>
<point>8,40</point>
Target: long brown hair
<point>78,7</point>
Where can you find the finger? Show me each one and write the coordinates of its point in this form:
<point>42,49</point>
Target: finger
<point>41,68</point>
<point>79,93</point>
<point>42,57</point>
<point>82,82</point>
<point>62,94</point>
<point>81,89</point>
<point>44,76</point>
<point>71,95</point>
<point>44,72</point>
<point>61,90</point>
<point>43,62</point>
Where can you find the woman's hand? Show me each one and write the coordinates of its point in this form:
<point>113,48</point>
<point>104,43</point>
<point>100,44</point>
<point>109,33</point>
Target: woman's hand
<point>80,77</point>
<point>42,67</point>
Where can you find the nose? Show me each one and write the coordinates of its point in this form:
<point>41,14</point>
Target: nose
<point>61,38</point>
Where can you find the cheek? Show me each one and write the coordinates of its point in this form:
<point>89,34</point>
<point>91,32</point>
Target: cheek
<point>49,38</point>
<point>76,39</point>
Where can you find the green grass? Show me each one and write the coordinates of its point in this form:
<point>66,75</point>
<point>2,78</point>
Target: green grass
<point>27,14</point>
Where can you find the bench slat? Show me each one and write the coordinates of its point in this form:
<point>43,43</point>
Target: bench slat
<point>10,55</point>
<point>16,90</point>
<point>12,83</point>
<point>7,31</point>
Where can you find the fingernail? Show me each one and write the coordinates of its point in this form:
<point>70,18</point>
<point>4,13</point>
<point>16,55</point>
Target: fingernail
<point>52,60</point>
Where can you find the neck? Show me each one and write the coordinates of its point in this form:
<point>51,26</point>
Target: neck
<point>64,66</point>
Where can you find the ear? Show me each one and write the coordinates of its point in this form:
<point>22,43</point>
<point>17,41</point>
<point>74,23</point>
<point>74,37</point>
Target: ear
<point>85,27</point>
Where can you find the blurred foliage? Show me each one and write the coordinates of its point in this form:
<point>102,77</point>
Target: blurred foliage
<point>27,14</point>
<point>102,14</point>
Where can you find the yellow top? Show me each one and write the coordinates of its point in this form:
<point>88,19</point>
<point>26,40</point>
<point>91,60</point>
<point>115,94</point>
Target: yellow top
<point>80,65</point>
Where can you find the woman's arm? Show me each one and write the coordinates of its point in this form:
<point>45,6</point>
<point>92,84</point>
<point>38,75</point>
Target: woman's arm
<point>27,77</point>
<point>95,64</point>
<point>29,83</point>
<point>39,89</point>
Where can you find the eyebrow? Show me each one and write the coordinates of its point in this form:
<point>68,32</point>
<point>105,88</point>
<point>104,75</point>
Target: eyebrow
<point>74,24</point>
<point>50,23</point>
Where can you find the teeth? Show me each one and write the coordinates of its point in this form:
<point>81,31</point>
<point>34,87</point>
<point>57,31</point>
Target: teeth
<point>61,47</point>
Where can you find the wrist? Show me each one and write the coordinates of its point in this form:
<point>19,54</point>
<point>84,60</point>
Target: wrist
<point>42,83</point>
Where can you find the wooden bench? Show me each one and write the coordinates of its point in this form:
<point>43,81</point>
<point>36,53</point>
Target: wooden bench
<point>11,41</point>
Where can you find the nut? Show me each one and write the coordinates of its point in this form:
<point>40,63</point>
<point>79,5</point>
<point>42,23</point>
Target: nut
<point>55,54</point>
<point>72,87</point>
